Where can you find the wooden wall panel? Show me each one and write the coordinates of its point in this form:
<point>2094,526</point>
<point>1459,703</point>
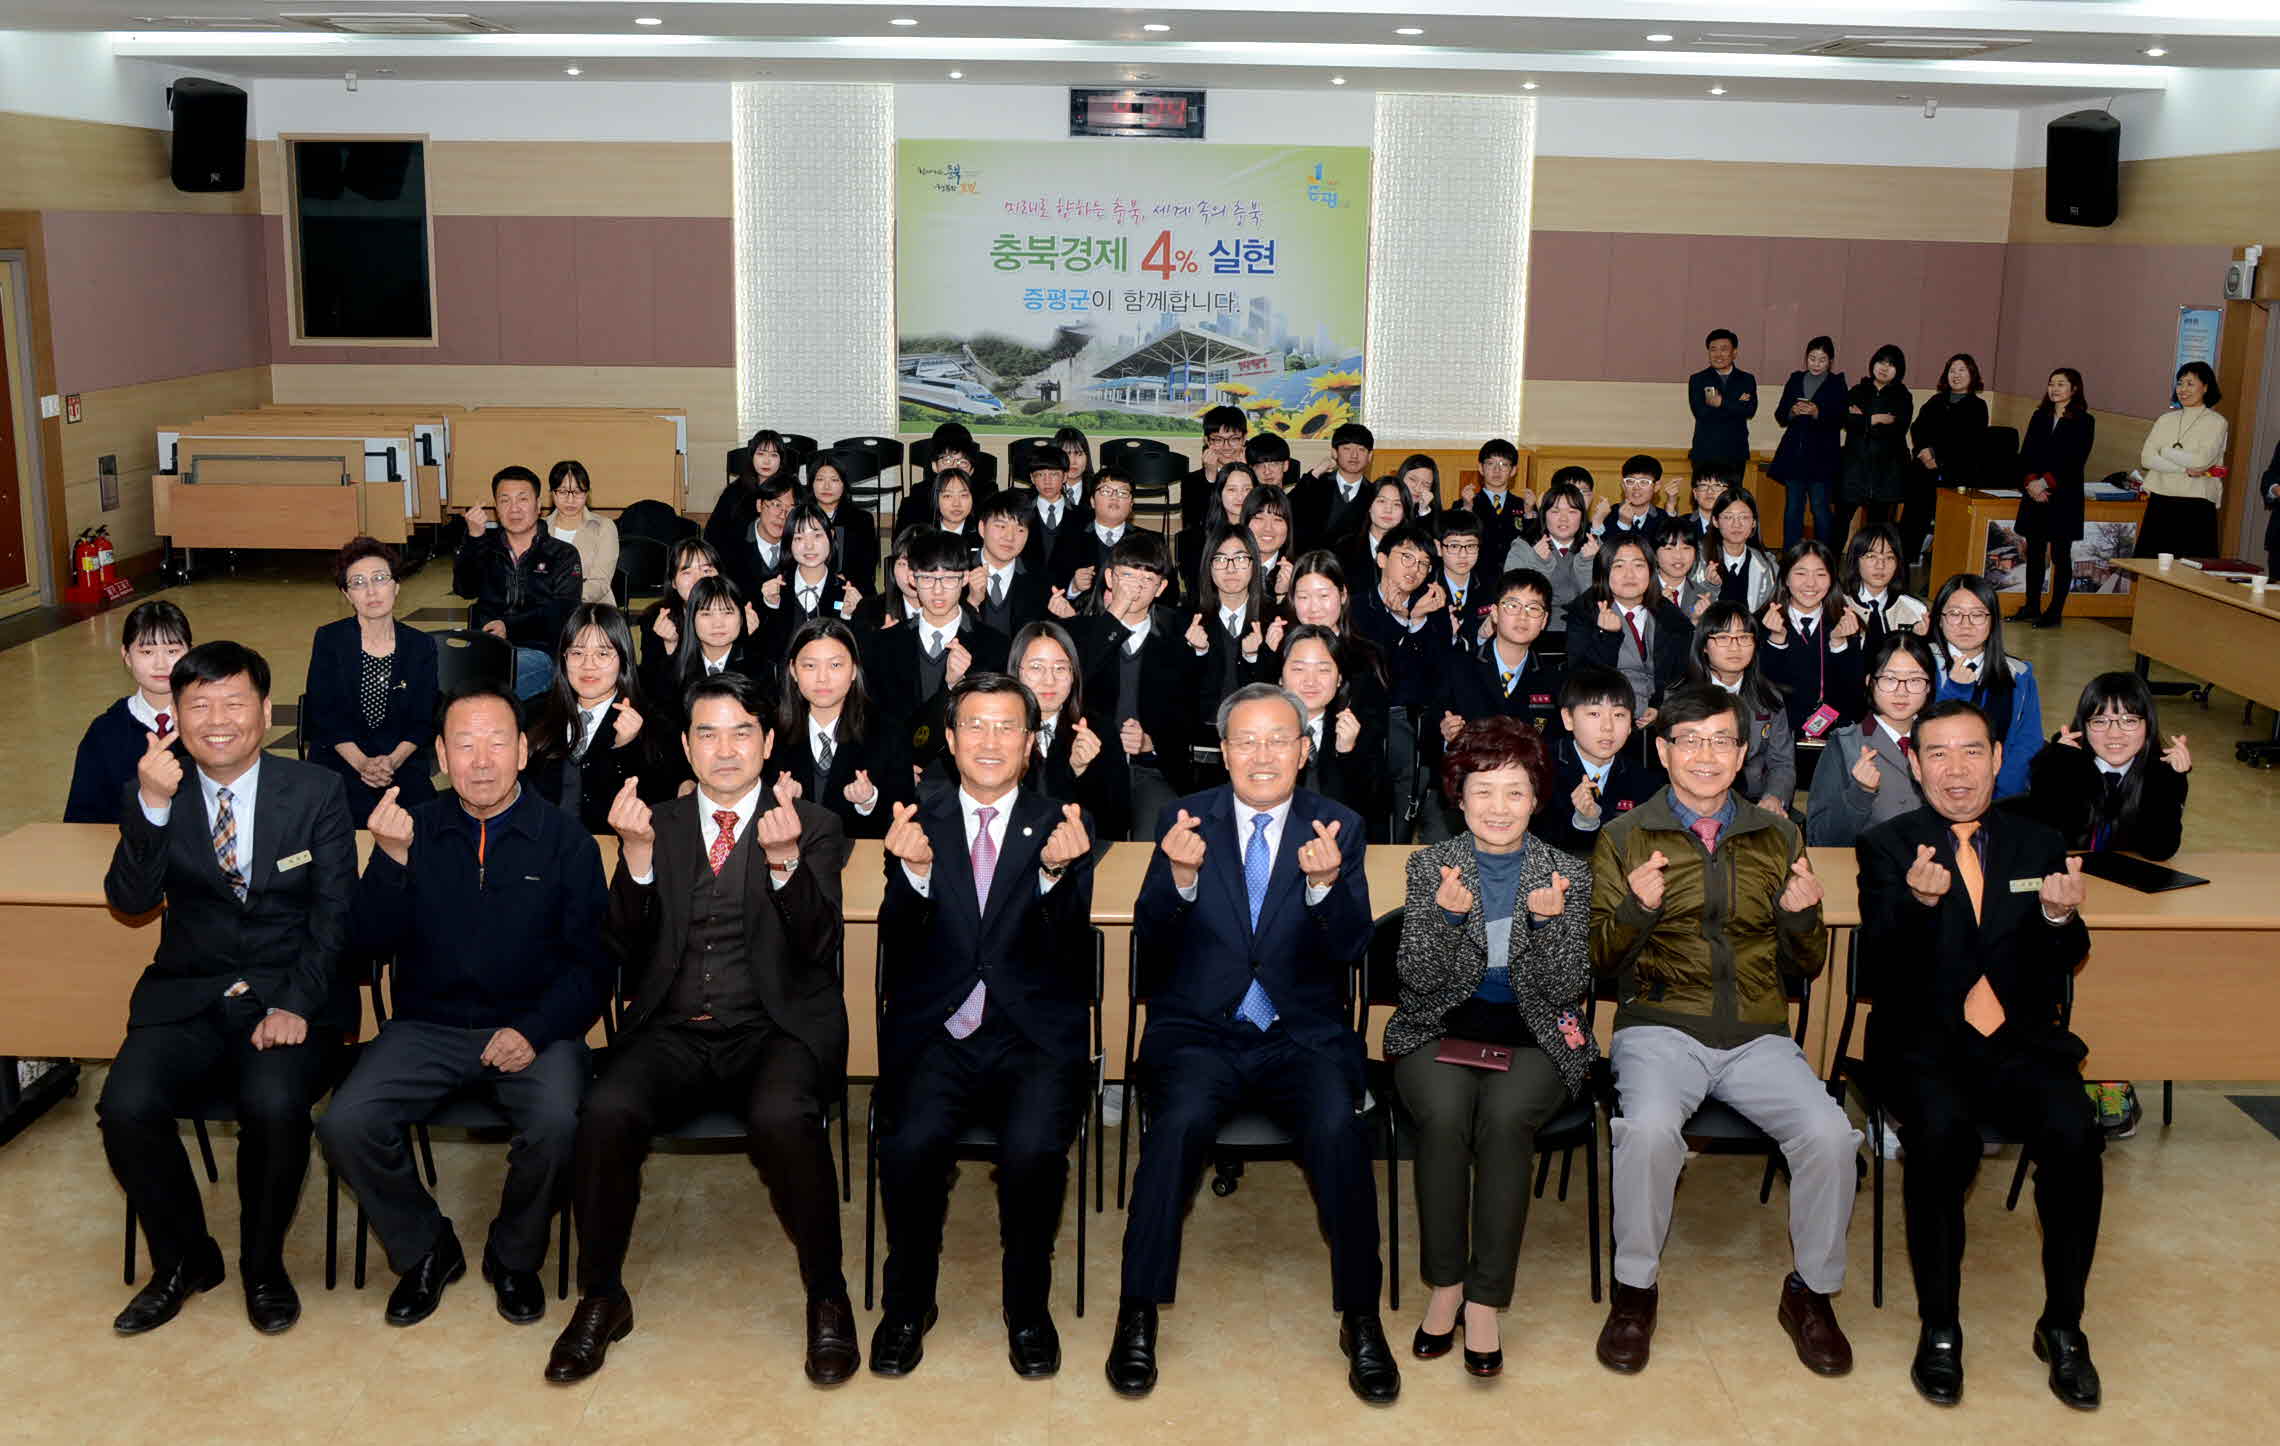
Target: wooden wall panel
<point>2221,200</point>
<point>586,178</point>
<point>1752,198</point>
<point>53,164</point>
<point>122,422</point>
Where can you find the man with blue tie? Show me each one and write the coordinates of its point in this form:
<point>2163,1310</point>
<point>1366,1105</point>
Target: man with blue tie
<point>1253,911</point>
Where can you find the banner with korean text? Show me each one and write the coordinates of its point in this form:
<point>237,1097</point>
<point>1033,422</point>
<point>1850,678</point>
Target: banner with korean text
<point>1126,286</point>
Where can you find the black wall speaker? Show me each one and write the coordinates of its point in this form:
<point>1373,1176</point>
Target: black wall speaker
<point>2082,182</point>
<point>209,135</point>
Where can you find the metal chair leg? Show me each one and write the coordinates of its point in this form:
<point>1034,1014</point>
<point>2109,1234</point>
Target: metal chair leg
<point>427,1152</point>
<point>846,1173</point>
<point>1876,1208</point>
<point>1765,1186</point>
<point>363,1243</point>
<point>870,1200</point>
<point>1100,1152</point>
<point>332,1227</point>
<point>1543,1173</point>
<point>1392,1210</point>
<point>206,1152</point>
<point>2018,1178</point>
<point>129,1272</point>
<point>1084,1139</point>
<point>2168,1090</point>
<point>1567,1165</point>
<point>1591,1211</point>
<point>1125,1127</point>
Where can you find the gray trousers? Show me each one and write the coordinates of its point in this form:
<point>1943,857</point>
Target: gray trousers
<point>1662,1076</point>
<point>1476,1137</point>
<point>402,1076</point>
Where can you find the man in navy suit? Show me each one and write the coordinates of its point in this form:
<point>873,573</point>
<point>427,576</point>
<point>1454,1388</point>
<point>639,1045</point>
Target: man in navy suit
<point>988,979</point>
<point>254,859</point>
<point>1253,911</point>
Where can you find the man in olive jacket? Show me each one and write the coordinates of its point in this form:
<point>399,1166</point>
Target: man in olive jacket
<point>1701,902</point>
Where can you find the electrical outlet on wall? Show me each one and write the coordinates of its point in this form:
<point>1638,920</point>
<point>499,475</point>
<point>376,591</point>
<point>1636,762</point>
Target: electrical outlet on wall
<point>107,480</point>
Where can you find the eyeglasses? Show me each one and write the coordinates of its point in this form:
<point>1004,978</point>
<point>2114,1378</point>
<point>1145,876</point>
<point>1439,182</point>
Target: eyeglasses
<point>2115,723</point>
<point>1718,745</point>
<point>1228,562</point>
<point>1045,670</point>
<point>1894,683</point>
<point>1734,640</point>
<point>570,487</point>
<point>360,580</point>
<point>1523,608</point>
<point>1975,615</point>
<point>1106,493</point>
<point>1451,546</point>
<point>939,579</point>
<point>979,728</point>
<point>1244,745</point>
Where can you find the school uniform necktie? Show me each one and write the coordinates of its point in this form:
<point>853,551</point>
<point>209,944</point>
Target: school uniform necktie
<point>225,843</point>
<point>158,724</point>
<point>1257,1010</point>
<point>968,1017</point>
<point>997,590</point>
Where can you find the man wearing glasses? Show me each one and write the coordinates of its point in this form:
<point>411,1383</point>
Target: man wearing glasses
<point>908,667</point>
<point>1701,903</point>
<point>1248,1009</point>
<point>1509,674</point>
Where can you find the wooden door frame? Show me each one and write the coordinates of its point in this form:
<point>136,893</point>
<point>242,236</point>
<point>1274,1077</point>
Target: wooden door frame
<point>21,231</point>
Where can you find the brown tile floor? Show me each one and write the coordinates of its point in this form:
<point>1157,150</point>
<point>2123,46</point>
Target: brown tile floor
<point>2183,1305</point>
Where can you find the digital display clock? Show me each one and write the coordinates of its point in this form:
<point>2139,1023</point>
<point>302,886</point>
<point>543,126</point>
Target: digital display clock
<point>1173,113</point>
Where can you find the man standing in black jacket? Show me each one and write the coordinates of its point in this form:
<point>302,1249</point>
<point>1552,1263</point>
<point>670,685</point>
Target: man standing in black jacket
<point>1971,930</point>
<point>523,579</point>
<point>254,862</point>
<point>1723,398</point>
<point>489,900</point>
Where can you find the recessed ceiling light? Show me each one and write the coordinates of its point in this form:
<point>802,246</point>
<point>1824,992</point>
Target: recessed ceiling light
<point>2157,51</point>
<point>1155,29</point>
<point>1527,85</point>
<point>1409,30</point>
<point>1337,80</point>
<point>1659,39</point>
<point>902,20</point>
<point>572,70</point>
<point>957,75</point>
<point>1717,90</point>
<point>647,20</point>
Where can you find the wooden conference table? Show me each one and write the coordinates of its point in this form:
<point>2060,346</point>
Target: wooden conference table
<point>2220,632</point>
<point>2184,985</point>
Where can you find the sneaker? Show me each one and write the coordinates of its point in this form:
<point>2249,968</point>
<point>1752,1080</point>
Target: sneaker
<point>2132,1112</point>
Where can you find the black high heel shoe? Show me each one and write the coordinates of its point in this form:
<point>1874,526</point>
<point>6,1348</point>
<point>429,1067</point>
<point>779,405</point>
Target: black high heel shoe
<point>1429,1347</point>
<point>1483,1364</point>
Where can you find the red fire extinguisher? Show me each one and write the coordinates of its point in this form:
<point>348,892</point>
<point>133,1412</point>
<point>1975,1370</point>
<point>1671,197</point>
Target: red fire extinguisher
<point>82,587</point>
<point>105,573</point>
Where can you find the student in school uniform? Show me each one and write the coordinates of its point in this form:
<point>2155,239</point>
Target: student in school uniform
<point>1266,516</point>
<point>1625,623</point>
<point>1597,774</point>
<point>1506,513</point>
<point>1726,656</point>
<point>1080,559</point>
<point>955,499</point>
<point>810,587</point>
<point>1044,469</point>
<point>2112,781</point>
<point>1864,778</point>
<point>1420,478</point>
<point>854,530</point>
<point>1472,596</point>
<point>830,737</point>
<point>723,636</point>
<point>1070,762</point>
<point>1812,650</point>
<point>152,640</point>
<point>1564,550</point>
<point>1345,756</point>
<point>660,625</point>
<point>1507,675</point>
<point>1967,638</point>
<point>1328,504</point>
<point>1402,616</point>
<point>1387,507</point>
<point>593,729</point>
<point>1269,458</point>
<point>1224,430</point>
<point>1874,579</point>
<point>1678,561</point>
<point>1003,589</point>
<point>765,458</point>
<point>1705,487</point>
<point>1230,487</point>
<point>1140,677</point>
<point>1636,515</point>
<point>897,601</point>
<point>909,666</point>
<point>1733,561</point>
<point>1227,627</point>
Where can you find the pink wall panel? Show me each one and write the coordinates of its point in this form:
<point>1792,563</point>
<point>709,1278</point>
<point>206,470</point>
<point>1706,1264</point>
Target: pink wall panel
<point>696,292</point>
<point>467,265</point>
<point>1884,293</point>
<point>538,291</point>
<point>1646,311</point>
<point>1567,304</point>
<point>144,297</point>
<point>2108,311</point>
<point>615,264</point>
<point>1725,286</point>
<point>1962,308</point>
<point>1805,298</point>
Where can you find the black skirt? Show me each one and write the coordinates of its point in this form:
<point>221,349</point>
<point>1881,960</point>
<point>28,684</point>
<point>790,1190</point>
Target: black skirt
<point>2185,526</point>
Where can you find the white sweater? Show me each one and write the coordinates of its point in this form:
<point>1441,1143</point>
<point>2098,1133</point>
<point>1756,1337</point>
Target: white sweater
<point>2186,439</point>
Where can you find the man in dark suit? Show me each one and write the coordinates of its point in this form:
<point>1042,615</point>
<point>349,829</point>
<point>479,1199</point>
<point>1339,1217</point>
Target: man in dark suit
<point>489,900</point>
<point>1224,429</point>
<point>1328,504</point>
<point>1722,398</point>
<point>523,580</point>
<point>1044,469</point>
<point>1006,590</point>
<point>910,666</point>
<point>1971,930</point>
<point>254,863</point>
<point>762,551</point>
<point>1140,675</point>
<point>1251,916</point>
<point>984,929</point>
<point>726,914</point>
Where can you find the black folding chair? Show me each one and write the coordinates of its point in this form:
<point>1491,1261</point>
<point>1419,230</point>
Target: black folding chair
<point>1574,1126</point>
<point>655,520</point>
<point>1852,1072</point>
<point>1116,449</point>
<point>981,1142</point>
<point>985,465</point>
<point>464,655</point>
<point>1157,475</point>
<point>642,564</point>
<point>883,482</point>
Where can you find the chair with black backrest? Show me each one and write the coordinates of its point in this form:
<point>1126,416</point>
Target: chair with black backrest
<point>1717,1128</point>
<point>1851,1072</point>
<point>1156,477</point>
<point>301,728</point>
<point>985,465</point>
<point>656,520</point>
<point>873,480</point>
<point>886,454</point>
<point>479,1118</point>
<point>799,449</point>
<point>1574,1126</point>
<point>463,656</point>
<point>1246,1136</point>
<point>641,569</point>
<point>980,1142</point>
<point>1116,449</point>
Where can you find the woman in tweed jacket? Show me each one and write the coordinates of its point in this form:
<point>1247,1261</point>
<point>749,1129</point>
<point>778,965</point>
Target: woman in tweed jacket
<point>1494,962</point>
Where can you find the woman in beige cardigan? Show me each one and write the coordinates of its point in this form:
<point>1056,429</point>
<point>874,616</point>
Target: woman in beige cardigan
<point>2181,498</point>
<point>595,537</point>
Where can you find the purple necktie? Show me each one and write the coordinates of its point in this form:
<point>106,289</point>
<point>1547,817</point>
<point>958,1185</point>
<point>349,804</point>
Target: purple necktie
<point>969,1015</point>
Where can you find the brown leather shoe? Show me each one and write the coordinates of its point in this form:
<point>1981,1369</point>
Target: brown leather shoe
<point>831,1353</point>
<point>1630,1328</point>
<point>1812,1325</point>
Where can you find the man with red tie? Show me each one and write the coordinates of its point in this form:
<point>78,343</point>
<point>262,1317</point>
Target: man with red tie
<point>985,927</point>
<point>1971,927</point>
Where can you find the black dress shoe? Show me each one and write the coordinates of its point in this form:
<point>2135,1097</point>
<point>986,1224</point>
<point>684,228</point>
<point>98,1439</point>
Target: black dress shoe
<point>899,1343</point>
<point>1370,1370</point>
<point>2026,614</point>
<point>1132,1352</point>
<point>2049,620</point>
<point>2072,1378</point>
<point>161,1300</point>
<point>421,1290</point>
<point>1484,1364</point>
<point>1938,1368</point>
<point>1427,1346</point>
<point>1033,1345</point>
<point>596,1322</point>
<point>271,1304</point>
<point>521,1294</point>
<point>831,1353</point>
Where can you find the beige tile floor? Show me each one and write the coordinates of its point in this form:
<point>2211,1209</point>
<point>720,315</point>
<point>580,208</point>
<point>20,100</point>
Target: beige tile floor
<point>2184,1305</point>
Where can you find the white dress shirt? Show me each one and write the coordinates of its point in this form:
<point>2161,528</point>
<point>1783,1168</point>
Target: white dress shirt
<point>146,715</point>
<point>242,792</point>
<point>818,735</point>
<point>1277,816</point>
<point>1110,536</point>
<point>1049,514</point>
<point>938,639</point>
<point>771,553</point>
<point>1139,634</point>
<point>970,810</point>
<point>809,593</point>
<point>1000,578</point>
<point>745,809</point>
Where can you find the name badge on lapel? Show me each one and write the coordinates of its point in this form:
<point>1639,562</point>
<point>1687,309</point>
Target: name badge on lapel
<point>2026,886</point>
<point>294,861</point>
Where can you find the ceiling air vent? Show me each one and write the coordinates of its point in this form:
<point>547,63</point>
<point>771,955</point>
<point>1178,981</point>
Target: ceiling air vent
<point>396,22</point>
<point>1914,47</point>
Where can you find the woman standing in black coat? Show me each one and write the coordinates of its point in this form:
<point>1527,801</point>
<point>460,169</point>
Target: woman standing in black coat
<point>2051,459</point>
<point>1811,454</point>
<point>1877,412</point>
<point>1950,438</point>
<point>372,688</point>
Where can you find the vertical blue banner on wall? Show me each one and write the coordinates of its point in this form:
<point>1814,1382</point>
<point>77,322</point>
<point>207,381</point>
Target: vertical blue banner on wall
<point>2198,329</point>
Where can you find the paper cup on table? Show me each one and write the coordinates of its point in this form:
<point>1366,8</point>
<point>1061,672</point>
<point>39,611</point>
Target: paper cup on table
<point>2165,559</point>
<point>2258,584</point>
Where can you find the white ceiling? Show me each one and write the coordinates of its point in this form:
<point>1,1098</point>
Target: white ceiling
<point>2066,49</point>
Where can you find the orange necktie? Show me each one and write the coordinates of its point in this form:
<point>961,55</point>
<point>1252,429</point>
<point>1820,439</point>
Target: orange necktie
<point>1981,1009</point>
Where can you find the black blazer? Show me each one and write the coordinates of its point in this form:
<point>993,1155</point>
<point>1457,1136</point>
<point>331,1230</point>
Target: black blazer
<point>855,546</point>
<point>777,624</point>
<point>1877,462</point>
<point>1025,598</point>
<point>1103,790</point>
<point>1475,688</point>
<point>1044,543</point>
<point>1811,447</point>
<point>1917,963</point>
<point>740,563</point>
<point>1630,782</point>
<point>336,709</point>
<point>285,940</point>
<point>1078,549</point>
<point>2059,450</point>
<point>884,753</point>
<point>1166,705</point>
<point>1500,528</point>
<point>1954,426</point>
<point>2066,791</point>
<point>1033,950</point>
<point>1198,959</point>
<point>890,672</point>
<point>1356,778</point>
<point>792,935</point>
<point>1319,516</point>
<point>1673,641</point>
<point>1809,674</point>
<point>585,787</point>
<point>1221,670</point>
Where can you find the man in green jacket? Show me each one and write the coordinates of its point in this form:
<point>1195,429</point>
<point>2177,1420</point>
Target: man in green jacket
<point>1701,902</point>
